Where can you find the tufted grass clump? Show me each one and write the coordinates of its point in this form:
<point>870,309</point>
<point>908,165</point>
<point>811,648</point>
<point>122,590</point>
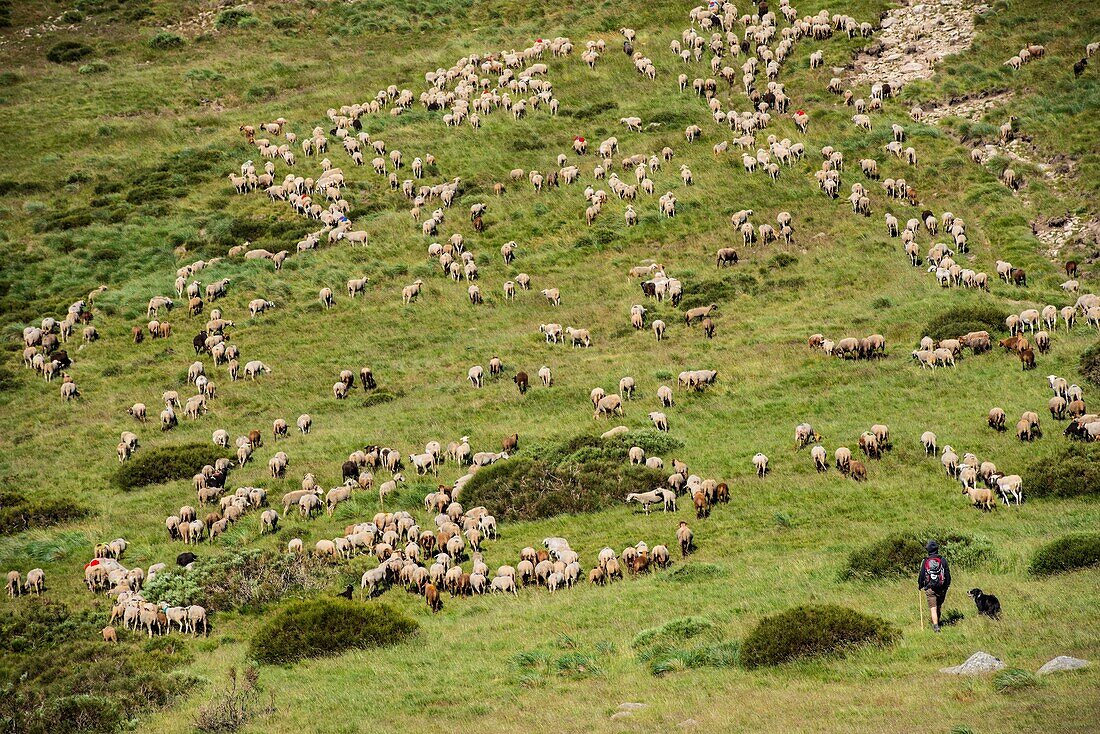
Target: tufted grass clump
<point>321,627</point>
<point>1010,680</point>
<point>812,631</point>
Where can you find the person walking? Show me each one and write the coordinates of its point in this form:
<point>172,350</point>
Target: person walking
<point>934,579</point>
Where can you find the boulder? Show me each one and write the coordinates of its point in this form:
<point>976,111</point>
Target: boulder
<point>1062,663</point>
<point>976,664</point>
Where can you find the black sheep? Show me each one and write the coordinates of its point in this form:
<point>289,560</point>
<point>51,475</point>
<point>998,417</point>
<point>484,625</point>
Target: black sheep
<point>987,604</point>
<point>183,559</point>
<point>1079,67</point>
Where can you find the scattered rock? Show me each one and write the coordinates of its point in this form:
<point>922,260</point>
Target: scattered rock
<point>943,28</point>
<point>976,664</point>
<point>631,706</point>
<point>1061,664</point>
<point>622,714</point>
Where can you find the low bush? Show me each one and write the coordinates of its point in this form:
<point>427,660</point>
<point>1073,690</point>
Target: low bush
<point>812,631</point>
<point>244,581</point>
<point>233,18</point>
<point>166,464</point>
<point>1068,553</point>
<point>18,512</point>
<point>902,553</point>
<point>581,475</point>
<point>55,677</point>
<point>960,320</point>
<point>1073,471</point>
<point>320,627</point>
<point>164,41</point>
<point>68,51</point>
<point>233,706</point>
<point>1090,364</point>
<point>94,67</point>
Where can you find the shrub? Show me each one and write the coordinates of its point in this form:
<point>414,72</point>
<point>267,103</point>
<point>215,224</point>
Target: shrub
<point>233,18</point>
<point>1090,364</point>
<point>95,67</point>
<point>1068,553</point>
<point>320,627</point>
<point>165,40</point>
<point>901,554</point>
<point>166,464</point>
<point>666,648</point>
<point>1014,679</point>
<point>67,51</point>
<point>1073,471</point>
<point>812,631</point>
<point>675,630</point>
<point>72,16</point>
<point>244,581</point>
<point>19,512</point>
<point>782,260</point>
<point>234,706</point>
<point>960,320</point>
<point>88,686</point>
<point>583,474</point>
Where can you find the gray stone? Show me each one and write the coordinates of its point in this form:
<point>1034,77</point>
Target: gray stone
<point>976,664</point>
<point>631,706</point>
<point>622,714</point>
<point>1062,663</point>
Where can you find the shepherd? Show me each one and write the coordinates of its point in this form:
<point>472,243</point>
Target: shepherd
<point>934,580</point>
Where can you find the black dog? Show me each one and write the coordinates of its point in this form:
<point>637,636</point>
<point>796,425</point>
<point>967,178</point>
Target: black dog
<point>987,604</point>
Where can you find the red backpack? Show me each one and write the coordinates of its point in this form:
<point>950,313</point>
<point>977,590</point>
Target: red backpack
<point>933,571</point>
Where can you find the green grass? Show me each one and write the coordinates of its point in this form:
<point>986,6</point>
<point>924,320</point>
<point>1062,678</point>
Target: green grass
<point>127,183</point>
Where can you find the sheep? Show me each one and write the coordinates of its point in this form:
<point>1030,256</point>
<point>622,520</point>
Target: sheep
<point>928,440</point>
<point>645,499</point>
<point>660,420</point>
<point>255,367</point>
<point>760,462</point>
<point>608,405</point>
<point>552,296</point>
<point>626,388</point>
<point>579,336</point>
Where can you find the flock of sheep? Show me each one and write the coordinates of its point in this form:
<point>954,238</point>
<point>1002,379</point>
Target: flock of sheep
<point>427,560</point>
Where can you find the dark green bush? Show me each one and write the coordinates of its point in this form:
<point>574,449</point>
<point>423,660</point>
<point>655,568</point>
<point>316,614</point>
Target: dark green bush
<point>233,18</point>
<point>320,627</point>
<point>690,573</point>
<point>82,684</point>
<point>1090,364</point>
<point>1073,471</point>
<point>67,51</point>
<point>166,464</point>
<point>591,111</point>
<point>1068,553</point>
<point>812,631</point>
<point>164,41</point>
<point>18,512</point>
<point>782,260</point>
<point>685,643</point>
<point>72,16</point>
<point>960,320</point>
<point>902,553</point>
<point>717,288</point>
<point>583,474</point>
<point>42,624</point>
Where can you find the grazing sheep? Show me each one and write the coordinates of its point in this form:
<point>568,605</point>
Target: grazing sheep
<point>760,461</point>
<point>660,420</point>
<point>475,375</point>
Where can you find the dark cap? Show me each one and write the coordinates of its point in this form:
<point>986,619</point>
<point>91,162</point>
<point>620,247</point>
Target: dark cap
<point>932,546</point>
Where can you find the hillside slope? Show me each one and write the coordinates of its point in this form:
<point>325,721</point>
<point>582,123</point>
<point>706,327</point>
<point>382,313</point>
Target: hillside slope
<point>116,175</point>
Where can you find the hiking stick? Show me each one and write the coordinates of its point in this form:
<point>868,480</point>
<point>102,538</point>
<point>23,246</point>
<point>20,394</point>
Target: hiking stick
<point>920,607</point>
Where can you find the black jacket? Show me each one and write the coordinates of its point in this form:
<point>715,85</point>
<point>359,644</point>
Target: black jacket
<point>922,579</point>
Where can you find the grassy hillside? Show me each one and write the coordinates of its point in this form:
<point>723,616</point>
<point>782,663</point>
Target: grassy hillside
<point>115,175</point>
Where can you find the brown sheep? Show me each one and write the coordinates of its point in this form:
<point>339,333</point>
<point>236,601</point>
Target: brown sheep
<point>109,634</point>
<point>255,438</point>
<point>432,598</point>
<point>1027,358</point>
<point>138,334</point>
<point>708,328</point>
<point>996,419</point>
<point>702,509</point>
<point>521,381</point>
<point>857,471</point>
<point>510,444</point>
